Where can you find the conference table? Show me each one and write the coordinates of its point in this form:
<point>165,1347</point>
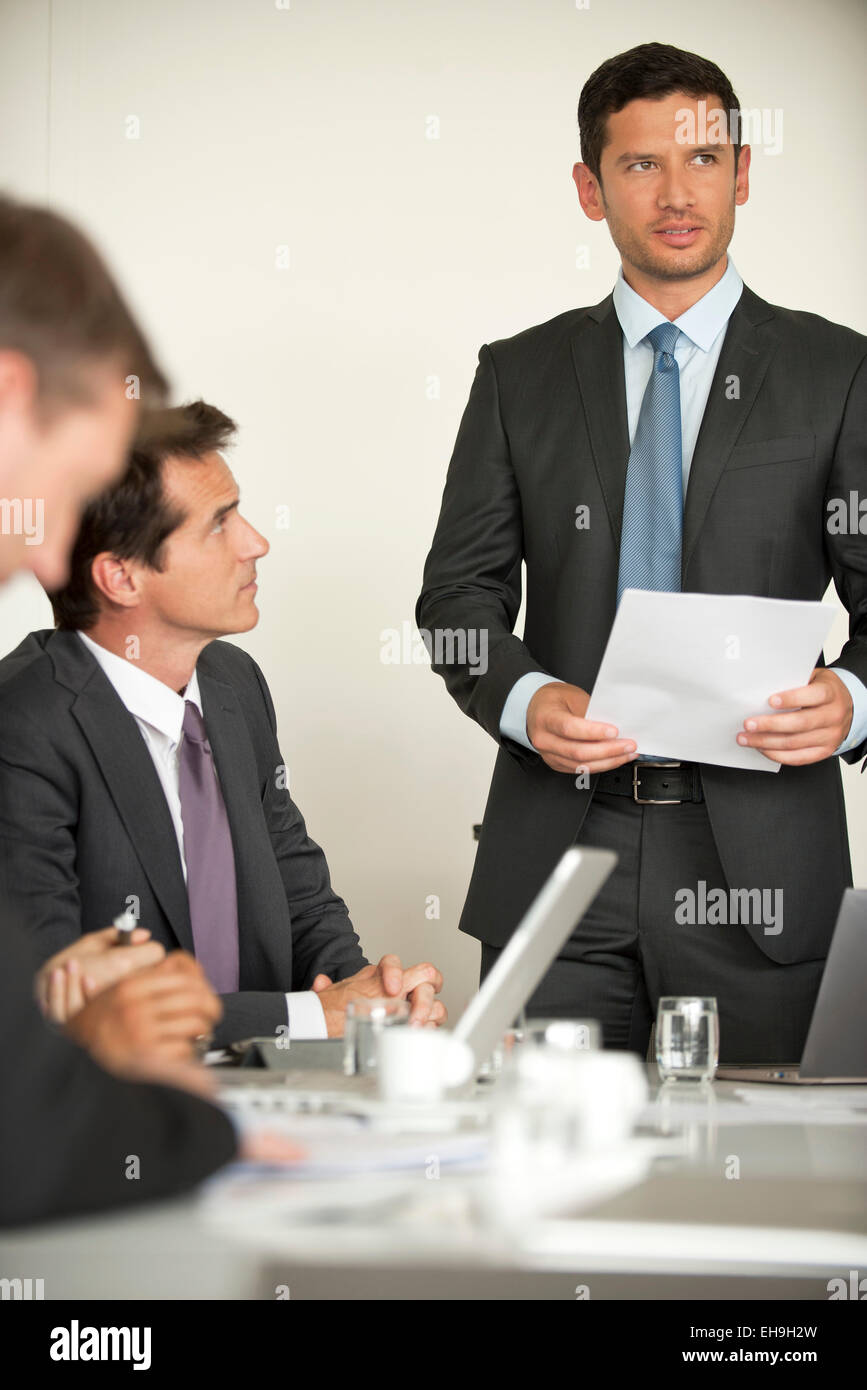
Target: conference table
<point>724,1192</point>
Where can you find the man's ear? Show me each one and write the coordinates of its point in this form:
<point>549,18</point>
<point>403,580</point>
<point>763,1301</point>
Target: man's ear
<point>742,176</point>
<point>589,192</point>
<point>115,579</point>
<point>18,380</point>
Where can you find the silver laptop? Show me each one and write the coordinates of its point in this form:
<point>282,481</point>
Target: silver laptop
<point>835,1052</point>
<point>546,925</point>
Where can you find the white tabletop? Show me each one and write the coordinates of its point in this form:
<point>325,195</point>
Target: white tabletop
<point>715,1192</point>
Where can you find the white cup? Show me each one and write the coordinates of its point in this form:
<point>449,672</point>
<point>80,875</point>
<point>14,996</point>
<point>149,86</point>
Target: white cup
<point>604,1092</point>
<point>417,1065</point>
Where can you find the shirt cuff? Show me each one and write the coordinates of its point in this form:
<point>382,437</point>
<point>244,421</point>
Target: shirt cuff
<point>513,720</point>
<point>858,691</point>
<point>306,1015</point>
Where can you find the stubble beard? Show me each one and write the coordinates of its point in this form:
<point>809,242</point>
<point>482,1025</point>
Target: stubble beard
<point>687,264</point>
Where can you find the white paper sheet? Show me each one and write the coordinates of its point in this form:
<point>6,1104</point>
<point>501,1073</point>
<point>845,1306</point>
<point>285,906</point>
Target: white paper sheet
<point>681,672</point>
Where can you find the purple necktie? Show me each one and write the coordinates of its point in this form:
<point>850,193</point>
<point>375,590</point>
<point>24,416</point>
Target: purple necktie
<point>210,857</point>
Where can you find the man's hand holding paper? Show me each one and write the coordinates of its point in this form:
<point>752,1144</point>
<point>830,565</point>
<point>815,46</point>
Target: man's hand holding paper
<point>813,721</point>
<point>566,740</point>
<point>686,675</point>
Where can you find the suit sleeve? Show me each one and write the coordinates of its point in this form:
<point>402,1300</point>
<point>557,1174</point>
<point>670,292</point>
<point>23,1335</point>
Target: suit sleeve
<point>847,552</point>
<point>250,1013</point>
<point>323,938</point>
<point>70,1131</point>
<point>38,820</point>
<point>471,590</point>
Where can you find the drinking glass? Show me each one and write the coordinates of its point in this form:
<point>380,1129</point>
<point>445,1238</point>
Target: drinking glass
<point>365,1019</point>
<point>687,1038</point>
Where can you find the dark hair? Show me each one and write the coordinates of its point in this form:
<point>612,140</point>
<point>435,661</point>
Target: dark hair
<point>650,70</point>
<point>60,306</point>
<point>132,519</point>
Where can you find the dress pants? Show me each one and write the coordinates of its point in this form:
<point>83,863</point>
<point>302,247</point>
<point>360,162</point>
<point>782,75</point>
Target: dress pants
<point>628,949</point>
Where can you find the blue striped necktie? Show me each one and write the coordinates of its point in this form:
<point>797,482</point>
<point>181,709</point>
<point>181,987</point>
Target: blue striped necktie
<point>652,531</point>
<point>650,538</point>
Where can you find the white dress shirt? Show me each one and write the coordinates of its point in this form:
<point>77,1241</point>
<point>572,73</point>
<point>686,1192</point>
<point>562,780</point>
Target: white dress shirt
<point>159,713</point>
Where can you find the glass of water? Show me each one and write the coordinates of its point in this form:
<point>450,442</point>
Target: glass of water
<point>365,1019</point>
<point>512,1038</point>
<point>687,1038</point>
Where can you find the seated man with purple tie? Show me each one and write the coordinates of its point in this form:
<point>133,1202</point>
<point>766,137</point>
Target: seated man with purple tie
<point>139,763</point>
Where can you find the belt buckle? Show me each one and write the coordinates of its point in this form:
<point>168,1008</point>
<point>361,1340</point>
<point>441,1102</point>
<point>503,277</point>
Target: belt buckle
<point>652,800</point>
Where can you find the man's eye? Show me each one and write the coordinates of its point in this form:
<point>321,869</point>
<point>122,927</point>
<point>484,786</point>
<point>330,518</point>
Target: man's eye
<point>217,527</point>
<point>712,157</point>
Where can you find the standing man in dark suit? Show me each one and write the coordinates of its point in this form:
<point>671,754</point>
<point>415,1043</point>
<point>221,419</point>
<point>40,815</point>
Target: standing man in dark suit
<point>581,439</point>
<point>139,764</point>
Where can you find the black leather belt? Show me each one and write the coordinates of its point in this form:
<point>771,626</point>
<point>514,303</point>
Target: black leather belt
<point>654,783</point>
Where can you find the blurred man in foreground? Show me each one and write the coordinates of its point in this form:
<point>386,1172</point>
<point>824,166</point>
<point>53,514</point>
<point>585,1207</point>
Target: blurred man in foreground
<point>73,367</point>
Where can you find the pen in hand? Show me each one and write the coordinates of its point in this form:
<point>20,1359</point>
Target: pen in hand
<point>125,925</point>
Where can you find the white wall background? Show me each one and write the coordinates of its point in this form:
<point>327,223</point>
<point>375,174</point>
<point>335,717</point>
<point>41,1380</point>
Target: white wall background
<point>308,126</point>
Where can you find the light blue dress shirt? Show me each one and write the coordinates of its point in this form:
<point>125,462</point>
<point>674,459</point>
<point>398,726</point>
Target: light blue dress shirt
<point>703,329</point>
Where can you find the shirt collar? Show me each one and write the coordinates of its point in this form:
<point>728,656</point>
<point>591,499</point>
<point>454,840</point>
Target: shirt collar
<point>144,696</point>
<point>703,321</point>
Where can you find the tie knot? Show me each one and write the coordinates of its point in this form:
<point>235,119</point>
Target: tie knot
<point>663,338</point>
<point>194,726</point>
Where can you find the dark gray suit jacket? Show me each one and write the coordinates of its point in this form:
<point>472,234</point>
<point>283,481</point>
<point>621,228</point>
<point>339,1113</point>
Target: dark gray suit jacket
<point>68,1127</point>
<point>545,429</point>
<point>84,824</point>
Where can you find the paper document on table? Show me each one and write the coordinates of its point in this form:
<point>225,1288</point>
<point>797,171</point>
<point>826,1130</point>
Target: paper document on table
<point>345,1145</point>
<point>681,672</point>
<point>840,1103</point>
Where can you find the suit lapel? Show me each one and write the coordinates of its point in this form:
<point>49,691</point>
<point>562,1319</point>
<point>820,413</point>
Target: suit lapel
<point>742,366</point>
<point>597,355</point>
<point>128,771</point>
<point>127,768</point>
